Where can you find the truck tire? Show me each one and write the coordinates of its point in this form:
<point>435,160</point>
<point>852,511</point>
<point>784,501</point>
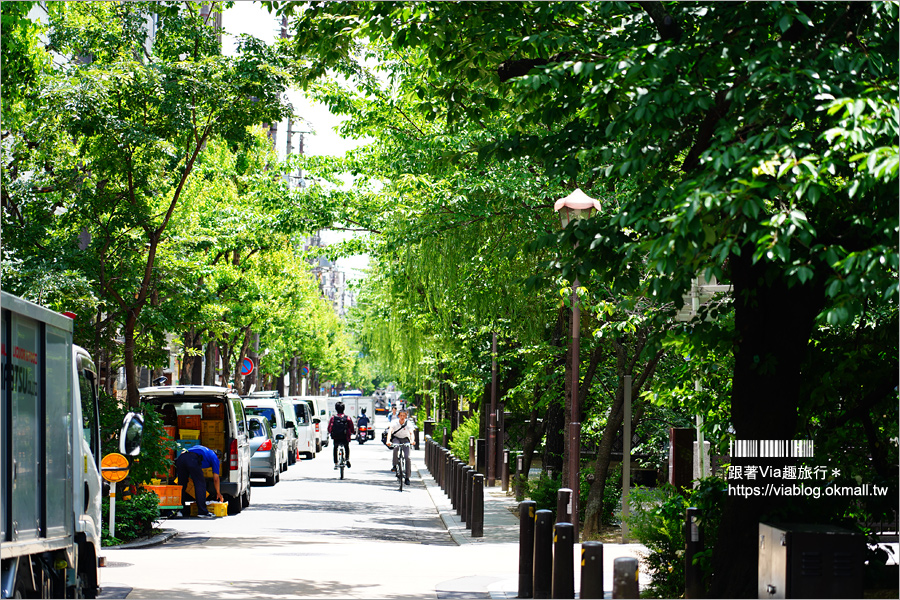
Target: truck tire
<point>235,506</point>
<point>245,498</point>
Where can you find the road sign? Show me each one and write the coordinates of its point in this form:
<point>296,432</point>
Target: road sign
<point>114,467</point>
<point>247,367</point>
<point>305,370</point>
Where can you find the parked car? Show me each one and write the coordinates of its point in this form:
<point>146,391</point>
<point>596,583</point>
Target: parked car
<point>319,411</point>
<point>264,447</point>
<point>214,417</point>
<point>306,428</point>
<point>292,435</point>
<point>268,405</point>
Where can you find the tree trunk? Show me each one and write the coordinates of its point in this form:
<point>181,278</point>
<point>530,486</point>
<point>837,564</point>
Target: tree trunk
<point>131,371</point>
<point>773,323</point>
<point>209,377</point>
<point>240,382</point>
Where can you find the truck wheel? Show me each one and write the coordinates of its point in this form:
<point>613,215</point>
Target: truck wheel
<point>234,505</point>
<point>318,447</point>
<point>245,498</point>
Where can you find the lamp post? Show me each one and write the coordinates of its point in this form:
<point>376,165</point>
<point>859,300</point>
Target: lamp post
<point>576,205</point>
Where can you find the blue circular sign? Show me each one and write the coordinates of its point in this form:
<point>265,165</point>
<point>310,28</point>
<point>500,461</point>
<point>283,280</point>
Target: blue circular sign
<point>246,367</point>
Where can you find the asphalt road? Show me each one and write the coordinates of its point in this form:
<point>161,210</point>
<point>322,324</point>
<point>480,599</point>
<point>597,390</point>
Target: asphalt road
<point>315,536</point>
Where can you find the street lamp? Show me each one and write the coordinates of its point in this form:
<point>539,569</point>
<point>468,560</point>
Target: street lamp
<point>576,205</point>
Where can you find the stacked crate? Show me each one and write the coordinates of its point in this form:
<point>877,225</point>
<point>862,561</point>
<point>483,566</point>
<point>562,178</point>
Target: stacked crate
<point>212,428</point>
<point>189,428</point>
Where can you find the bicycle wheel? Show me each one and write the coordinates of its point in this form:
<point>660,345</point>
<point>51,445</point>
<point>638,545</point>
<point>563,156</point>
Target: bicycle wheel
<point>341,460</point>
<point>400,471</point>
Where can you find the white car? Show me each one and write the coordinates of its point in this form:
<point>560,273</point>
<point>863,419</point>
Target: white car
<point>307,443</point>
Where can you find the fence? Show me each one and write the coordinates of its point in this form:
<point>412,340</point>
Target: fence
<point>463,485</point>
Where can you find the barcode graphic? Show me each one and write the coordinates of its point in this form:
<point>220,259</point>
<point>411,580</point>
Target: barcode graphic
<point>772,448</point>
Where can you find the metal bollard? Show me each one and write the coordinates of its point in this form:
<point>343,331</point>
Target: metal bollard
<point>693,544</point>
<point>428,446</point>
<point>416,437</point>
<point>464,495</point>
<point>564,505</point>
<point>447,462</point>
<point>471,450</point>
<point>445,439</point>
<point>470,483</point>
<point>542,579</point>
<point>625,578</point>
<point>520,477</point>
<point>504,473</point>
<point>481,456</point>
<point>526,547</point>
<point>591,570</point>
<point>451,482</point>
<point>460,465</point>
<point>478,506</point>
<point>563,585</point>
<point>441,460</point>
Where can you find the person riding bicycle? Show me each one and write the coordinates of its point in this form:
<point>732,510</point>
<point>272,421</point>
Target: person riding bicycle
<point>400,432</point>
<point>340,426</point>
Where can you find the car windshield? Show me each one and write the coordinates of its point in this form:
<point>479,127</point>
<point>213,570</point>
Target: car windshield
<point>268,413</point>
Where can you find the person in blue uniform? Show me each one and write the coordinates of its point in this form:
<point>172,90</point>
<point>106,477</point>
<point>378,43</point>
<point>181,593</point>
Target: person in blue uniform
<point>189,467</point>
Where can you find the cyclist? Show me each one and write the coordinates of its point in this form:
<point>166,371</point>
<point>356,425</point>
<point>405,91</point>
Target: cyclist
<point>400,432</point>
<point>340,426</point>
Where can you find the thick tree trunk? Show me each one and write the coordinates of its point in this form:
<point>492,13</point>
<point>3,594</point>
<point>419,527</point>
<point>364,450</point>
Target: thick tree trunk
<point>238,380</point>
<point>773,323</point>
<point>209,377</point>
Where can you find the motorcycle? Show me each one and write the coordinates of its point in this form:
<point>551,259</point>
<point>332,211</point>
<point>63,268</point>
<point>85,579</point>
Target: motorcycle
<point>362,434</point>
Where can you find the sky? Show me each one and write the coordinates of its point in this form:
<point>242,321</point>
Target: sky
<point>251,18</point>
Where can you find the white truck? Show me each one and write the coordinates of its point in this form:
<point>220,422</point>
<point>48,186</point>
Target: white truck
<point>50,491</point>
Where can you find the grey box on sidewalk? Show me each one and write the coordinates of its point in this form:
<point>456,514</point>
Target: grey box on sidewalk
<point>809,561</point>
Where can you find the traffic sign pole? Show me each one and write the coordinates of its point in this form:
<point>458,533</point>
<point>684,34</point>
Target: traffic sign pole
<point>112,509</point>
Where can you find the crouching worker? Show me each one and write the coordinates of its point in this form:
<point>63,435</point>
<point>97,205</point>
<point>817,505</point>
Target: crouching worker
<point>189,467</point>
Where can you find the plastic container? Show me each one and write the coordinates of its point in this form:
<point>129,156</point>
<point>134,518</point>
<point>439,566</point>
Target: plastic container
<point>188,422</point>
<point>219,509</point>
<point>190,434</point>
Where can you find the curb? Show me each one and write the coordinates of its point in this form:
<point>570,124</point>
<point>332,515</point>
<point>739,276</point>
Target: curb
<point>459,537</point>
<point>160,538</point>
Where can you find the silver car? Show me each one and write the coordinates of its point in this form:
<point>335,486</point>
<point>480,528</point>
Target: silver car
<point>263,450</point>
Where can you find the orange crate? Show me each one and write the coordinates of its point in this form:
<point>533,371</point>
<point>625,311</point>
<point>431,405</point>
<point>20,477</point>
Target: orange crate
<point>189,422</point>
<point>214,411</point>
<point>171,431</point>
<point>212,426</point>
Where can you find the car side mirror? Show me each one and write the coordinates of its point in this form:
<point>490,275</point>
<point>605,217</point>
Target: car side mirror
<point>317,420</point>
<point>289,424</point>
<point>132,434</point>
<point>279,436</point>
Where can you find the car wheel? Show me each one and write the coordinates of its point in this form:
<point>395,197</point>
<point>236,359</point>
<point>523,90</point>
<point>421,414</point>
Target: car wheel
<point>245,498</point>
<point>235,505</point>
<point>271,479</point>
<point>318,447</point>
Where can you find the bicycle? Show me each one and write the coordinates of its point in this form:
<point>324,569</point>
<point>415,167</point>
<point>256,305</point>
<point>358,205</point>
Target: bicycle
<point>342,458</point>
<point>401,463</point>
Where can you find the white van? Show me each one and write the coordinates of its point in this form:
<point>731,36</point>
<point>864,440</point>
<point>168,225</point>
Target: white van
<point>319,411</point>
<point>268,405</point>
<point>306,429</point>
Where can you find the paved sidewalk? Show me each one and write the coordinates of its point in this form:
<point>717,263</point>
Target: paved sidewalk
<point>501,526</point>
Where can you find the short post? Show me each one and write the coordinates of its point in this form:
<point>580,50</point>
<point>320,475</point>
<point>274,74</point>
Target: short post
<point>478,506</point>
<point>543,554</point>
<point>480,456</point>
<point>471,450</point>
<point>591,570</point>
<point>447,462</point>
<point>564,505</point>
<point>112,509</point>
<point>526,548</point>
<point>441,459</point>
<point>563,585</point>
<point>520,478</point>
<point>428,452</point>
<point>470,483</point>
<point>464,486</point>
<point>445,439</point>
<point>504,473</point>
<point>457,485</point>
<point>451,482</point>
<point>416,436</point>
<point>693,544</point>
<point>625,578</point>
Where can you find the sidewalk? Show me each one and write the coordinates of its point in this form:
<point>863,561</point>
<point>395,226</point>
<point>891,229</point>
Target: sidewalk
<point>501,526</point>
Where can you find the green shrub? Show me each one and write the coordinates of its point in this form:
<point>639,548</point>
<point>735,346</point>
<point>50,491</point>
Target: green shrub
<point>134,517</point>
<point>459,441</point>
<point>154,458</point>
<point>657,521</point>
<point>543,491</point>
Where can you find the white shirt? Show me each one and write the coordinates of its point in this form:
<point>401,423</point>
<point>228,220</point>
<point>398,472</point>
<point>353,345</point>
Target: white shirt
<point>395,429</point>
